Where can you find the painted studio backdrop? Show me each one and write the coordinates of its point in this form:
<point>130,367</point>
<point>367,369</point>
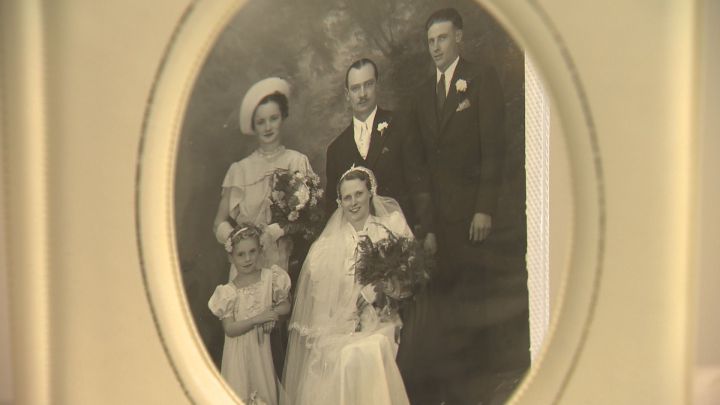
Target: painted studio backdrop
<point>311,43</point>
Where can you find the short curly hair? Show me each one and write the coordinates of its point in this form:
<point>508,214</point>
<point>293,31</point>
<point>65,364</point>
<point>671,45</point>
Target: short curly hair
<point>242,231</point>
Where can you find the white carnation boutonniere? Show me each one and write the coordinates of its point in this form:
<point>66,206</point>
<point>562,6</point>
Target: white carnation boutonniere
<point>461,87</point>
<point>382,127</point>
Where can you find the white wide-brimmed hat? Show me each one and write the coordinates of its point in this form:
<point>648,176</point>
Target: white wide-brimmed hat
<point>257,92</point>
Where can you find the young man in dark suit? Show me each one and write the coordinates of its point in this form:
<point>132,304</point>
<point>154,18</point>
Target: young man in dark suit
<point>372,140</point>
<point>458,118</point>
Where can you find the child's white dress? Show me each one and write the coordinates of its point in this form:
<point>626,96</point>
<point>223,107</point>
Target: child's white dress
<point>247,363</point>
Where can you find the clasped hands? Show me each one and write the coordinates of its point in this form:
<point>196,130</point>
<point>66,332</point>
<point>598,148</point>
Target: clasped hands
<point>266,322</point>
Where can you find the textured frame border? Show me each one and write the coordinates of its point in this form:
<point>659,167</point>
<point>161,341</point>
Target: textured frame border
<point>537,186</point>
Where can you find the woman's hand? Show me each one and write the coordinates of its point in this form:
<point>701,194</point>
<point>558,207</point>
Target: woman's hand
<point>361,303</point>
<point>369,293</point>
<point>396,289</point>
<point>274,231</point>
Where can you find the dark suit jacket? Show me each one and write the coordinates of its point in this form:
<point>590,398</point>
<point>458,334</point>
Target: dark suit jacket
<point>462,146</point>
<point>395,162</point>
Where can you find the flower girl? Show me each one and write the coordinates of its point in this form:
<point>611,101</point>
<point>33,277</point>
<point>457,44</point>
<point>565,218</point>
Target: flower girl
<point>248,306</point>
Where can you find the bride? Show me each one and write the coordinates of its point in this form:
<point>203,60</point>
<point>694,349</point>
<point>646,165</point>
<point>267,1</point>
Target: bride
<point>340,351</point>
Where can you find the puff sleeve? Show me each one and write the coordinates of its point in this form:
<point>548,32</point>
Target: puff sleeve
<point>301,163</point>
<point>222,302</point>
<point>280,284</point>
<point>233,176</point>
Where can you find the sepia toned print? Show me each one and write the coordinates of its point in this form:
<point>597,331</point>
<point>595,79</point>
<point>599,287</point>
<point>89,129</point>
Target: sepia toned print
<point>435,116</point>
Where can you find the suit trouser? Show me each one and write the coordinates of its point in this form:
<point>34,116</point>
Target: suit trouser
<point>472,320</point>
<point>460,286</point>
<point>441,339</point>
<point>473,314</point>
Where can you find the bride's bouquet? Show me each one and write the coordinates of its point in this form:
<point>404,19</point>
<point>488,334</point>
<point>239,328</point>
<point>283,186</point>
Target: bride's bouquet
<point>397,265</point>
<point>295,203</point>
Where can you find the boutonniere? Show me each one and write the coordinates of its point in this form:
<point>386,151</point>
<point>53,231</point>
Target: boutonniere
<point>460,85</point>
<point>382,127</point>
<point>463,105</point>
<point>385,150</point>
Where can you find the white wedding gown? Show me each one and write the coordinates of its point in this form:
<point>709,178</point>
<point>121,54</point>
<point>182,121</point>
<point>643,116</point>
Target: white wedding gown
<point>328,361</point>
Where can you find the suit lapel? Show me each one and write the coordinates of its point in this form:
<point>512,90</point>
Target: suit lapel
<point>349,148</point>
<point>377,140</point>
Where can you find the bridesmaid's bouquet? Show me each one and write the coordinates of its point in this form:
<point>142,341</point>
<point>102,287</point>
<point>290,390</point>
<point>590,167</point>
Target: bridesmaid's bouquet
<point>295,203</point>
<point>397,265</point>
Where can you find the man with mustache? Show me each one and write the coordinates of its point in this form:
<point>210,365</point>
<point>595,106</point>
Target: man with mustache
<point>373,140</point>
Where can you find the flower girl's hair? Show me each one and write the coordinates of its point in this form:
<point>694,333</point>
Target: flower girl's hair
<point>242,231</point>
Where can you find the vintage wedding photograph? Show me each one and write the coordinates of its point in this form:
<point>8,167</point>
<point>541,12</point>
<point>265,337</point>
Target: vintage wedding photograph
<point>351,206</point>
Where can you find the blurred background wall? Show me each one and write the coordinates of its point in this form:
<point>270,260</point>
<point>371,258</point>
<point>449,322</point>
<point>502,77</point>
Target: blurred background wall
<point>311,43</point>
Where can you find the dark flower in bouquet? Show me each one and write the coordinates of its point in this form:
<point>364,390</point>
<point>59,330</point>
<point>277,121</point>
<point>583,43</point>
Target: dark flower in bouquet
<point>295,203</point>
<point>398,266</point>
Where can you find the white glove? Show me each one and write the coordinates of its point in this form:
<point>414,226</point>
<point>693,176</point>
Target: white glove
<point>223,231</point>
<point>274,231</point>
<point>368,292</point>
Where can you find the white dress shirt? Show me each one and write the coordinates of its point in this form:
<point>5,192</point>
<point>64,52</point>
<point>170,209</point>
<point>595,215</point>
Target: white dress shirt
<point>362,132</point>
<point>449,72</point>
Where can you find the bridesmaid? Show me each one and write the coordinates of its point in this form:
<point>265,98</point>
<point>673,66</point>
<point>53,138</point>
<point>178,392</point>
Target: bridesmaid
<point>247,185</point>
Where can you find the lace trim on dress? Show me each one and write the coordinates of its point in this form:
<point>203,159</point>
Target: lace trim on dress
<point>253,305</point>
<point>251,286</point>
<point>309,332</point>
<point>306,331</point>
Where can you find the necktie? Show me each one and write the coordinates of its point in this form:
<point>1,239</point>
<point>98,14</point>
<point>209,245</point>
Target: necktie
<point>440,94</point>
<point>364,141</point>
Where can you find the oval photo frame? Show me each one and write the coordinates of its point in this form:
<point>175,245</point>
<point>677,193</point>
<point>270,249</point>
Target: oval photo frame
<point>194,37</point>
